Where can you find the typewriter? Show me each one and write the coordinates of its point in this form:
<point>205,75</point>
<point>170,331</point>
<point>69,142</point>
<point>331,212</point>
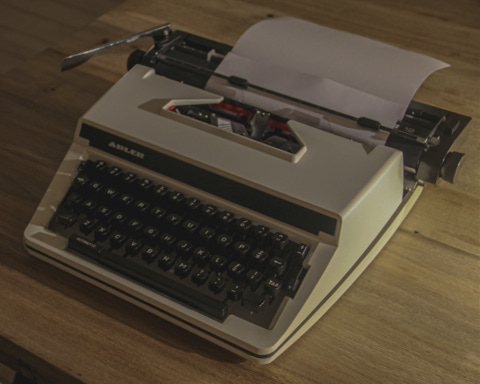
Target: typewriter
<point>233,221</point>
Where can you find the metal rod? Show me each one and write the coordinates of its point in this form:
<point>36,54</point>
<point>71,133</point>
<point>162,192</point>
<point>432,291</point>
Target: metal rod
<point>82,57</point>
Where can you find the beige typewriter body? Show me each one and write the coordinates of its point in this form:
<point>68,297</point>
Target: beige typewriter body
<point>361,189</point>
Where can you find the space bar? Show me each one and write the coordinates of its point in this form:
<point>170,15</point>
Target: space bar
<point>163,284</point>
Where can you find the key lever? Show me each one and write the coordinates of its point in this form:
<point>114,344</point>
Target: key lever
<point>77,59</point>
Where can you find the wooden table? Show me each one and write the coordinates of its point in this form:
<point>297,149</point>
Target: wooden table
<point>412,317</point>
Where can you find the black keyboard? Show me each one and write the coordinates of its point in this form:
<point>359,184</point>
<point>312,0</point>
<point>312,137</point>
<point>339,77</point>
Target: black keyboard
<point>189,250</point>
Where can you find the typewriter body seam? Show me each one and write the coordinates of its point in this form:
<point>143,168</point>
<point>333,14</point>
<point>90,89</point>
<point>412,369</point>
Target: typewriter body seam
<point>338,203</point>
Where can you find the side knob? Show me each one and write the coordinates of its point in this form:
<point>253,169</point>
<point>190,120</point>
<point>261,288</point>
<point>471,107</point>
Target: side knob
<point>451,166</point>
<point>135,58</point>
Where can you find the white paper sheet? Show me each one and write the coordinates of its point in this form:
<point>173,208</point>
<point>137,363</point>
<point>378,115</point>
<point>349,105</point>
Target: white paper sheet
<point>333,69</point>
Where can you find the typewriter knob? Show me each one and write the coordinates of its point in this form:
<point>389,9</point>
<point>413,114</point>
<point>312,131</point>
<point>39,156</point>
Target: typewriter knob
<point>135,58</point>
<point>451,166</point>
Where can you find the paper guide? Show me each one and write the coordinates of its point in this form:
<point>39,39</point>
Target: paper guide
<point>340,71</point>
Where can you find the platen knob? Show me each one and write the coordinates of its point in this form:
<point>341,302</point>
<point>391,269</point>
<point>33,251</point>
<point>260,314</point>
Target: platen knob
<point>135,58</point>
<point>451,166</point>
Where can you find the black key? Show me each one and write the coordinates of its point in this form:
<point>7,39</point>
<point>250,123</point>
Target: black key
<point>184,249</point>
<point>259,256</point>
<point>95,187</point>
<point>261,234</point>
<point>151,234</point>
<point>82,167</point>
<point>223,241</point>
<point>89,207</point>
<point>134,226</point>
<point>81,181</point>
<point>279,240</point>
<point>225,219</point>
<point>160,191</point>
<point>117,240</point>
<point>141,206</point>
<point>103,213</point>
<point>166,261</point>
<point>278,265</point>
<point>149,254</point>
<point>110,193</point>
<point>176,197</point>
<point>183,268</point>
<point>243,227</point>
<point>66,217</point>
<point>119,219</point>
<point>192,204</point>
<point>126,199</point>
<point>99,166</point>
<point>241,248</point>
<point>132,247</point>
<point>201,256</point>
<point>190,226</point>
<point>200,275</point>
<point>102,232</point>
<point>129,178</point>
<point>272,286</point>
<point>88,225</point>
<point>167,241</point>
<point>165,284</point>
<point>218,262</point>
<point>173,219</point>
<point>206,233</point>
<point>254,302</point>
<point>236,269</point>
<point>84,246</point>
<point>114,172</point>
<point>208,211</point>
<point>300,252</point>
<point>217,283</point>
<point>234,291</point>
<point>115,176</point>
<point>253,278</point>
<point>144,184</point>
<point>74,201</point>
<point>158,212</point>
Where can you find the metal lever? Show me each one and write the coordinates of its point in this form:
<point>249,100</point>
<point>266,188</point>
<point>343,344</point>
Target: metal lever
<point>82,57</point>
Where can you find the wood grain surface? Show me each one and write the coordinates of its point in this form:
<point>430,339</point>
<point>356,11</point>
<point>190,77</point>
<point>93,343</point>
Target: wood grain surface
<point>28,27</point>
<point>412,317</point>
